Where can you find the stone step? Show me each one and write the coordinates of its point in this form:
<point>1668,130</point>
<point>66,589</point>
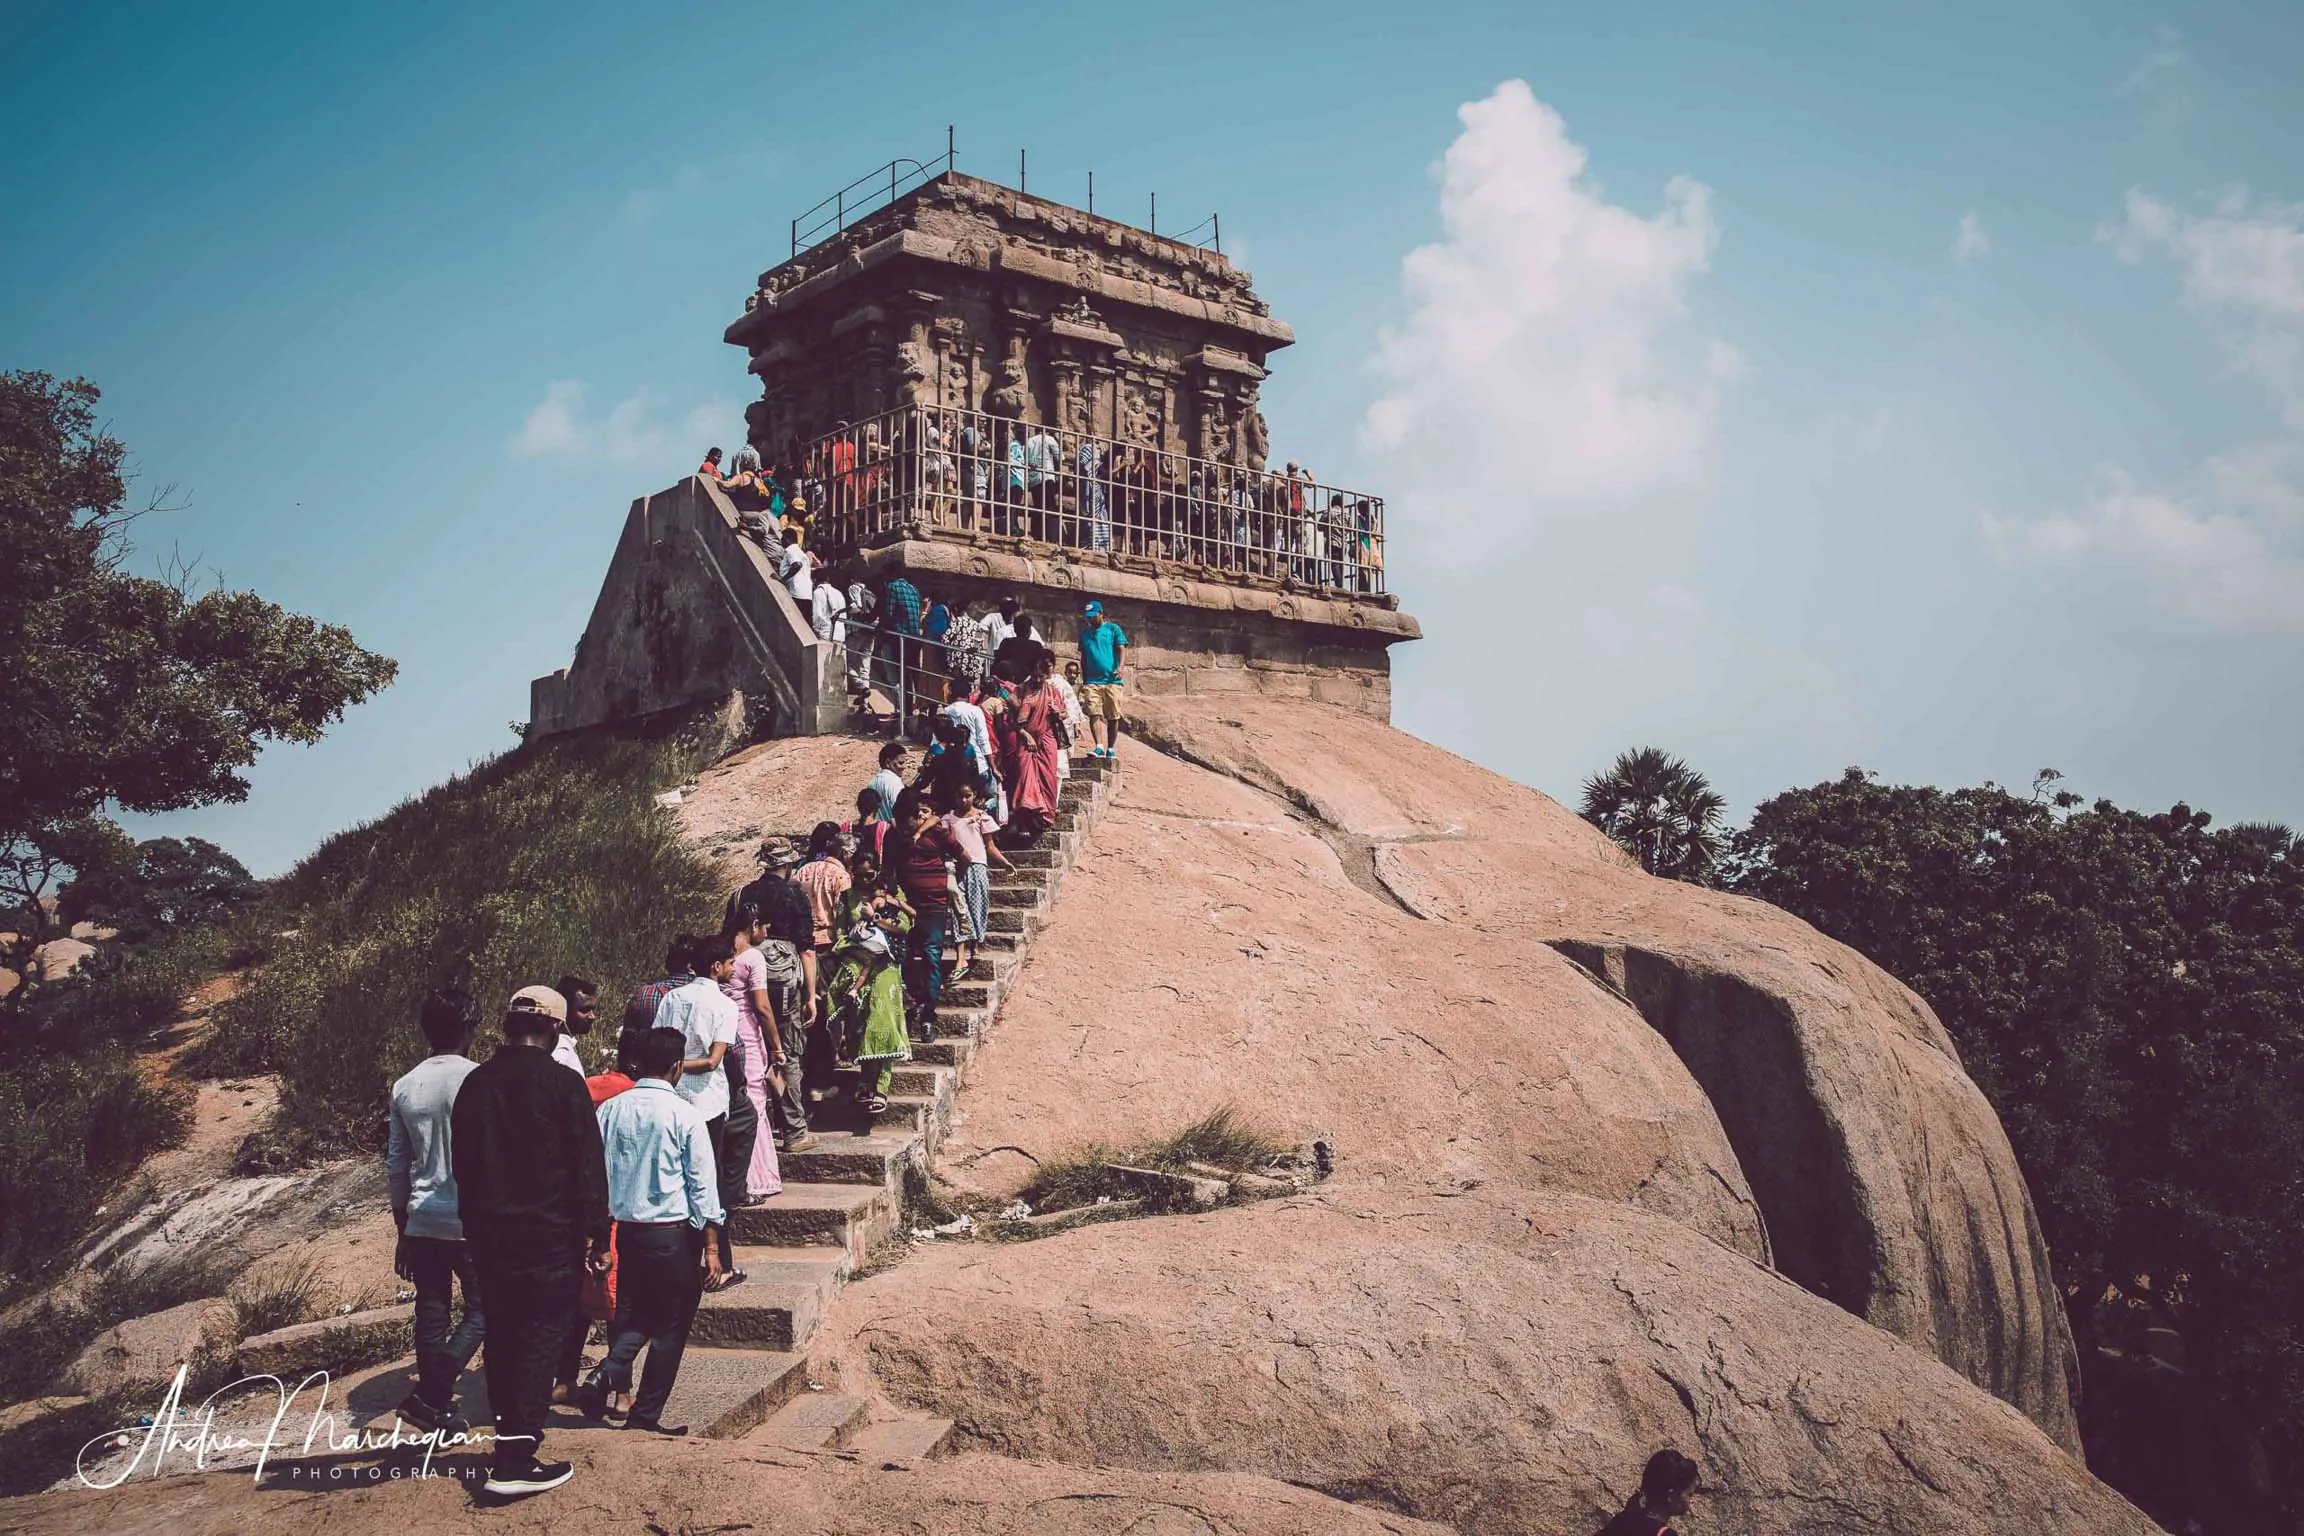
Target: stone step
<point>922,1079</point>
<point>843,1215</point>
<point>906,1113</point>
<point>964,1023</point>
<point>1023,898</point>
<point>841,1158</point>
<point>969,994</point>
<point>1034,858</point>
<point>813,1421</point>
<point>1001,943</point>
<point>723,1394</point>
<point>990,966</point>
<point>780,1302</point>
<point>895,1444</point>
<point>1024,879</point>
<point>1006,919</point>
<point>946,1050</point>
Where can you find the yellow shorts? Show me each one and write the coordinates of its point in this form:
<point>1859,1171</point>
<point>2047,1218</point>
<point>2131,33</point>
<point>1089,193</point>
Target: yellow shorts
<point>1101,700</point>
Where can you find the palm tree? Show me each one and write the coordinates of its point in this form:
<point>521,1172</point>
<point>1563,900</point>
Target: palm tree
<point>1659,810</point>
<point>2269,838</point>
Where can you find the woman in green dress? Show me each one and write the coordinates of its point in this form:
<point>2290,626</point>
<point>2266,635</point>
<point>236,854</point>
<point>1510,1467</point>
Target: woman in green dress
<point>871,927</point>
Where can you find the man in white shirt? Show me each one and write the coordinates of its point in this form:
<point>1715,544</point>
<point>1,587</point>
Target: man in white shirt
<point>419,1168</point>
<point>828,613</point>
<point>1042,455</point>
<point>798,571</point>
<point>663,1190</point>
<point>583,1002</point>
<point>1002,625</point>
<point>707,1021</point>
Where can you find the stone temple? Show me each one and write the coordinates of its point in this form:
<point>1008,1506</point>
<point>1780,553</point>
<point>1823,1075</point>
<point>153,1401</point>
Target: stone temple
<point>996,394</point>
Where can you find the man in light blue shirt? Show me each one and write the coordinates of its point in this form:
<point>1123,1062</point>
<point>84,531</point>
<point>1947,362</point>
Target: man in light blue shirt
<point>663,1190</point>
<point>419,1170</point>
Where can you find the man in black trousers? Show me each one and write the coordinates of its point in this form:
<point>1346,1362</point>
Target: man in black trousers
<point>663,1189</point>
<point>533,1193</point>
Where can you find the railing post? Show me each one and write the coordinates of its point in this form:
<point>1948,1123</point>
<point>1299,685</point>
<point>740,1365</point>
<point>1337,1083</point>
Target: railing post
<point>891,181</point>
<point>947,149</point>
<point>1217,220</point>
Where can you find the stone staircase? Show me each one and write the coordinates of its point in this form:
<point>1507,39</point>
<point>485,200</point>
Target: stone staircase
<point>746,1371</point>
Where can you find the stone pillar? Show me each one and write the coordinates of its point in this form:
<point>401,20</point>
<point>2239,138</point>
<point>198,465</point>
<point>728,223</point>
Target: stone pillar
<point>1012,397</point>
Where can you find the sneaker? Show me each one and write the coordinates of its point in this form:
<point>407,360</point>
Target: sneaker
<point>535,1477</point>
<point>651,1427</point>
<point>800,1143</point>
<point>420,1413</point>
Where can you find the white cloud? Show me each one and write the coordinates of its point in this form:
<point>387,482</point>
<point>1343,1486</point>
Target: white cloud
<point>1548,364</point>
<point>550,430</point>
<point>2243,267</point>
<point>2207,558</point>
<point>1971,242</point>
<point>560,427</point>
<point>1544,426</point>
<point>2227,551</point>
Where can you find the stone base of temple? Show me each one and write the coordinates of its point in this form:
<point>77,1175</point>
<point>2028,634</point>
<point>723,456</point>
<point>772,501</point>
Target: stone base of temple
<point>1186,635</point>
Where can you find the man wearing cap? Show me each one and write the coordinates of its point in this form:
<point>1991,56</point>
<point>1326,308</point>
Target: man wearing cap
<point>532,1195</point>
<point>1103,651</point>
<point>788,956</point>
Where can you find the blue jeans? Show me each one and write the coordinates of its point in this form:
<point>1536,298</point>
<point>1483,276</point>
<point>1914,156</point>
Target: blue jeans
<point>924,966</point>
<point>438,1265</point>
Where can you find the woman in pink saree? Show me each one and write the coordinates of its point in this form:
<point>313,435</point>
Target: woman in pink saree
<point>1029,744</point>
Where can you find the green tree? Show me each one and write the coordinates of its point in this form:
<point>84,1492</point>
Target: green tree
<point>166,883</point>
<point>1659,810</point>
<point>2128,990</point>
<point>123,691</point>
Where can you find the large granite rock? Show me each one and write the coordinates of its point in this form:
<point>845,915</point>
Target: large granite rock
<point>1501,1362</point>
<point>1885,1179</point>
<point>1210,950</point>
<point>148,1349</point>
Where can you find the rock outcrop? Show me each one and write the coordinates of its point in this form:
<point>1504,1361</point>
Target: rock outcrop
<point>1592,1127</point>
<point>1502,1361</point>
<point>148,1349</point>
<point>1885,1179</point>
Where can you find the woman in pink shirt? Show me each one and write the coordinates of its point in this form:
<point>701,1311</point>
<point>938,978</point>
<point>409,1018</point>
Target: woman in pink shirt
<point>972,827</point>
<point>747,988</point>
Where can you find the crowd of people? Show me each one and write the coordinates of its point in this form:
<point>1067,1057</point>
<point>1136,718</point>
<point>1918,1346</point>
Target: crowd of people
<point>553,1199</point>
<point>977,473</point>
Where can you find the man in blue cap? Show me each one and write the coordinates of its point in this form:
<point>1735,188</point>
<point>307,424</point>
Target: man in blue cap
<point>1103,651</point>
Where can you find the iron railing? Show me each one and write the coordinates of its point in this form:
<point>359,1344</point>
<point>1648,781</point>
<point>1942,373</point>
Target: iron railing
<point>868,193</point>
<point>939,471</point>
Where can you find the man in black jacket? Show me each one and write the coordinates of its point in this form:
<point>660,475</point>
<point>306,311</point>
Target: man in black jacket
<point>532,1188</point>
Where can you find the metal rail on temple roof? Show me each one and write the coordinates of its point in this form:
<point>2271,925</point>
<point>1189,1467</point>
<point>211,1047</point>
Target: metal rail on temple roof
<point>943,472</point>
<point>1213,240</point>
<point>868,193</point>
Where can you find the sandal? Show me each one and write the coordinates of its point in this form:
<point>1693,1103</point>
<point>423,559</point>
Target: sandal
<point>728,1281</point>
<point>877,1104</point>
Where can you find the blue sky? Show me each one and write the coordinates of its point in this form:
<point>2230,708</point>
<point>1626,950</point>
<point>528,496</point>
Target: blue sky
<point>1703,422</point>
